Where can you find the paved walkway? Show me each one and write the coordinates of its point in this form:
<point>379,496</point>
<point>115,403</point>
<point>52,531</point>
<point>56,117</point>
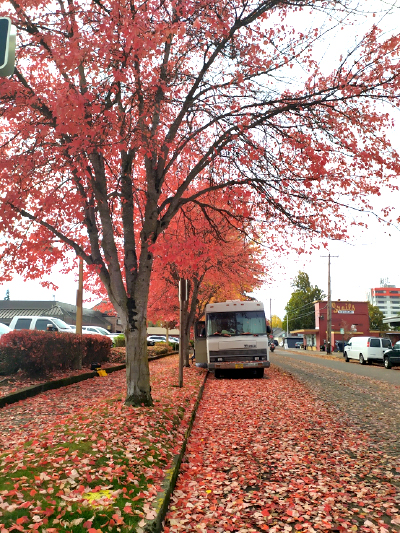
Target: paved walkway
<point>265,455</point>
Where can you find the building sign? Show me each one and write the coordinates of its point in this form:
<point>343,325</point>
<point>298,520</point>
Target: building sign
<point>343,308</point>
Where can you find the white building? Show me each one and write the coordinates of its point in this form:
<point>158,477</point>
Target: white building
<point>387,298</point>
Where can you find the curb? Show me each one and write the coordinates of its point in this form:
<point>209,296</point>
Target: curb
<point>161,503</point>
<point>34,390</point>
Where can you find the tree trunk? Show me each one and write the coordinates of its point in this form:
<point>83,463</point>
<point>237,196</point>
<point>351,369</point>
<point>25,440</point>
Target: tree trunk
<point>134,318</point>
<point>137,367</point>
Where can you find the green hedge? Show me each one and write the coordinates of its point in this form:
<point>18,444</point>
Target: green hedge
<point>119,342</point>
<point>41,352</point>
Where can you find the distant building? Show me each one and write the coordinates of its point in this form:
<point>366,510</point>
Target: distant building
<point>387,298</point>
<point>66,312</point>
<point>106,308</point>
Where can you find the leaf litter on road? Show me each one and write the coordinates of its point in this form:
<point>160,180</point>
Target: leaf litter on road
<point>264,455</point>
<point>78,459</point>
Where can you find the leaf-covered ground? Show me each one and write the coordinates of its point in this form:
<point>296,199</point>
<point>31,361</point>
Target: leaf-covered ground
<point>264,455</point>
<point>10,383</point>
<point>77,459</point>
<point>369,403</point>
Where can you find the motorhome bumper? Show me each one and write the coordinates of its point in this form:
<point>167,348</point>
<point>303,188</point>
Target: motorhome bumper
<point>228,365</point>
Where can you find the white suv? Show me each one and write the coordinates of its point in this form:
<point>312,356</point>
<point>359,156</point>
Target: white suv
<point>40,322</point>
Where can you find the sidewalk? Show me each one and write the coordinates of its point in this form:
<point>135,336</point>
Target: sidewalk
<point>264,455</point>
<point>316,353</point>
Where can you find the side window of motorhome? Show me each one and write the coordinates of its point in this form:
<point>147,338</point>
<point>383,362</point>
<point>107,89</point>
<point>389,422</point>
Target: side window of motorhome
<point>23,323</point>
<point>200,329</point>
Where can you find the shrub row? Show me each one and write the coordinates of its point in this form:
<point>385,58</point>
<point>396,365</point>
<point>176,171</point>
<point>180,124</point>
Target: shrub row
<point>119,342</point>
<point>41,352</point>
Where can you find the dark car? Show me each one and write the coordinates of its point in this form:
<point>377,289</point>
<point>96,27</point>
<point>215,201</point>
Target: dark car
<point>298,345</point>
<point>392,357</point>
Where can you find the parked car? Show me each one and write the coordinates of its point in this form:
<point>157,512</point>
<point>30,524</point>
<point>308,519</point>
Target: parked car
<point>4,329</point>
<point>366,349</point>
<point>392,357</point>
<point>298,345</point>
<point>41,323</point>
<point>157,338</point>
<point>98,330</point>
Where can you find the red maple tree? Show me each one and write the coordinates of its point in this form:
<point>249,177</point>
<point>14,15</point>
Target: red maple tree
<point>120,114</point>
<point>217,258</point>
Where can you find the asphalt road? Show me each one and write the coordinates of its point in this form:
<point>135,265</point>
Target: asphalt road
<point>366,396</point>
<point>374,371</point>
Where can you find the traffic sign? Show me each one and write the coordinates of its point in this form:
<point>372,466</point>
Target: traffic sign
<point>8,37</point>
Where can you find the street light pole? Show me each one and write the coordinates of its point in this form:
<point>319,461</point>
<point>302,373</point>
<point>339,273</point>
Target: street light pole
<point>183,296</point>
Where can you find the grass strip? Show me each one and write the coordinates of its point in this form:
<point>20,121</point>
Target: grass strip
<point>104,467</point>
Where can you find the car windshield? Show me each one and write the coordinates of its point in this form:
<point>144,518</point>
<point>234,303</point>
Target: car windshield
<point>61,324</point>
<point>103,331</point>
<point>236,323</point>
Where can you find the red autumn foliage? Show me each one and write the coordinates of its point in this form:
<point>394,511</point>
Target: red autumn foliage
<point>119,116</point>
<point>219,262</point>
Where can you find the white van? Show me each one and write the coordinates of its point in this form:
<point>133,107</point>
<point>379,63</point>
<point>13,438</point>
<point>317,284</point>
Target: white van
<point>40,322</point>
<point>366,349</point>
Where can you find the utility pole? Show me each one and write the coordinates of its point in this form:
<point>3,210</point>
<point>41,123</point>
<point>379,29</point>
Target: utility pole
<point>329,309</point>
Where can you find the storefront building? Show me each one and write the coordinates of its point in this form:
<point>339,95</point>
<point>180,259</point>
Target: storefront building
<point>349,319</point>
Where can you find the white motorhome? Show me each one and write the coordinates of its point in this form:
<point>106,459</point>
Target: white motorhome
<point>366,349</point>
<point>234,335</point>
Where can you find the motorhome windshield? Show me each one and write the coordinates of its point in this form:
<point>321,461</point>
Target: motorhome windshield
<point>236,323</point>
